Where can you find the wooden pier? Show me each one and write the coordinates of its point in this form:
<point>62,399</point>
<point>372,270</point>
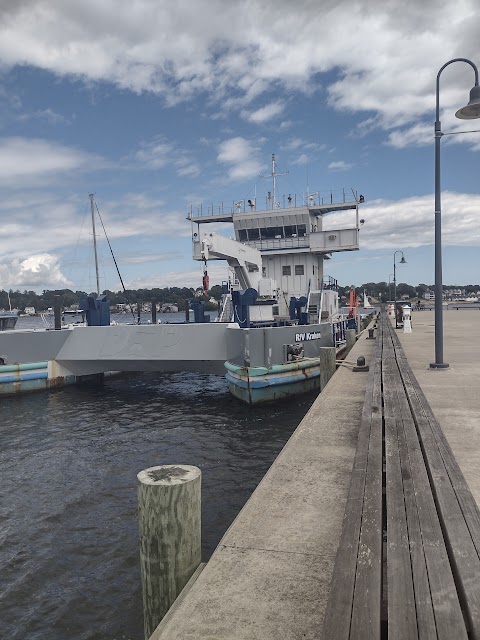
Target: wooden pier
<point>364,527</point>
<point>408,563</point>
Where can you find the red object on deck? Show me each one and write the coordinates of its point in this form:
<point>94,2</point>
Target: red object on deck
<point>205,283</point>
<point>352,312</point>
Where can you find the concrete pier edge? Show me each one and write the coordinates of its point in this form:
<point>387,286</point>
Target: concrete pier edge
<point>270,574</point>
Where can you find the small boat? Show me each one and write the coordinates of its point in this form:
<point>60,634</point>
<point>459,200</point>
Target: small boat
<point>8,320</point>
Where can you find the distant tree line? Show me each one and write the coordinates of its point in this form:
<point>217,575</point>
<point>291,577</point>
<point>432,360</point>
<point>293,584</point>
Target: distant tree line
<point>381,291</point>
<point>45,300</point>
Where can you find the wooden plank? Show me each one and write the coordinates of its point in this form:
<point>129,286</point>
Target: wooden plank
<point>426,627</point>
<point>468,504</point>
<point>423,601</point>
<point>424,608</point>
<point>339,606</point>
<point>448,614</point>
<point>402,621</point>
<point>367,600</point>
<point>461,548</point>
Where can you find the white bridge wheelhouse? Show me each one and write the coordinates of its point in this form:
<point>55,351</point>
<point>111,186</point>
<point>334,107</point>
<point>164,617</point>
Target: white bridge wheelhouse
<point>290,236</point>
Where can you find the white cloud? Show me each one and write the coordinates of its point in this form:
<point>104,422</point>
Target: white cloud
<point>39,222</point>
<point>339,165</point>
<point>191,278</point>
<point>265,113</point>
<point>417,135</point>
<point>32,161</point>
<point>144,258</point>
<point>234,53</point>
<point>301,160</point>
<point>41,270</point>
<point>50,116</point>
<point>240,155</point>
<point>155,154</point>
<point>160,153</point>
<point>410,222</point>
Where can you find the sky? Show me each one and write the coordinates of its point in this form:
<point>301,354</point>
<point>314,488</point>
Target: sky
<point>155,106</point>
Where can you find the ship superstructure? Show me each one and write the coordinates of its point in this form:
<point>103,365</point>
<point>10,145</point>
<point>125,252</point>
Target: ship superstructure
<point>289,234</point>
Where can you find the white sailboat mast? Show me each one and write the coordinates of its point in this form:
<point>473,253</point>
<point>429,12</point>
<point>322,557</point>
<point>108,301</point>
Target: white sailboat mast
<point>94,242</point>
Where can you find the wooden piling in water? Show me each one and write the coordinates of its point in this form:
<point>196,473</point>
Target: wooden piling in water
<point>328,364</point>
<point>169,511</point>
<point>57,312</point>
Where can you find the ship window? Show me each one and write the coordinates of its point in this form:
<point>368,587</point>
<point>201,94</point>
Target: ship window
<point>266,233</point>
<point>242,235</point>
<point>286,270</point>
<point>290,230</point>
<point>302,230</point>
<point>277,232</point>
<point>299,271</point>
<point>264,272</point>
<point>253,234</point>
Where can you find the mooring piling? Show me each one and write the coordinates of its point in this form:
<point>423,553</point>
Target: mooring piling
<point>169,511</point>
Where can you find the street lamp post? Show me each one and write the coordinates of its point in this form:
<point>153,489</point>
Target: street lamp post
<point>390,275</point>
<point>402,261</point>
<point>469,112</point>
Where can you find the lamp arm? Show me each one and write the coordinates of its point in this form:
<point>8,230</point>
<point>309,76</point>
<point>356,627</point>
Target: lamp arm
<point>474,67</point>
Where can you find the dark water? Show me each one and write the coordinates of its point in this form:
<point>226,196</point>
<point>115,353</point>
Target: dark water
<point>69,563</point>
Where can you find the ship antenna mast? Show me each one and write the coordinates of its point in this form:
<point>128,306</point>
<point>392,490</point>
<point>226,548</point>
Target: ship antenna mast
<point>274,183</point>
<point>94,242</point>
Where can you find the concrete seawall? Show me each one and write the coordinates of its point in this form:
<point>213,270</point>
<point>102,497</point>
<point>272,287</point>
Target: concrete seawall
<point>270,575</point>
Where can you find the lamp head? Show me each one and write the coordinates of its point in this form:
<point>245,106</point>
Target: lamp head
<point>472,109</point>
<point>403,261</point>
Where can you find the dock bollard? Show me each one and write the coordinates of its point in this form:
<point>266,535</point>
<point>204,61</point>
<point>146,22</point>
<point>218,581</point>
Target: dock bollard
<point>169,513</point>
<point>328,364</point>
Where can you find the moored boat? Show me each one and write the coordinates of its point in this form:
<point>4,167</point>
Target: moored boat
<point>277,286</point>
<point>278,307</point>
<point>8,321</point>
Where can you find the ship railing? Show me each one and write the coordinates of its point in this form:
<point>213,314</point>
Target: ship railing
<point>46,321</point>
<point>280,243</point>
<point>285,201</point>
<point>330,283</point>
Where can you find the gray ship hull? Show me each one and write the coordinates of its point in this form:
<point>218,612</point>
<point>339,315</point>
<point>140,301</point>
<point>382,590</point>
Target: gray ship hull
<point>84,351</point>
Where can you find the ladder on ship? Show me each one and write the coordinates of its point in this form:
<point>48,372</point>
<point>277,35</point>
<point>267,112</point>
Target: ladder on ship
<point>314,305</point>
<point>226,312</point>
